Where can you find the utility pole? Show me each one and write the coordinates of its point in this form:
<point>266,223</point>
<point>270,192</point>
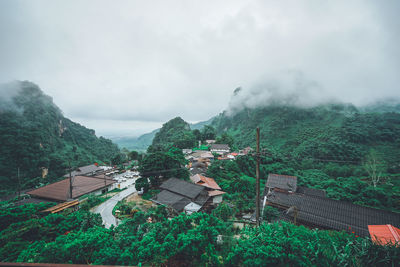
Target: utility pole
<point>70,180</point>
<point>258,178</point>
<point>19,184</point>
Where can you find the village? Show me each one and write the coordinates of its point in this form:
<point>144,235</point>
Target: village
<point>296,204</point>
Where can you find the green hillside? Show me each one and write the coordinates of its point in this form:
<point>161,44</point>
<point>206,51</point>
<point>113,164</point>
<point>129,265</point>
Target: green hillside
<point>333,147</point>
<point>142,142</point>
<point>34,135</point>
<point>139,144</point>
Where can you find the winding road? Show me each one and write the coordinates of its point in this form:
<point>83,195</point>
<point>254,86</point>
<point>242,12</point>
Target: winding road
<point>105,209</point>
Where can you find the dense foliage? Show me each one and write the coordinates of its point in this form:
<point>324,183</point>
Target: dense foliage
<point>159,166</point>
<point>186,240</point>
<point>352,155</point>
<point>35,136</point>
<point>23,225</point>
<point>175,132</point>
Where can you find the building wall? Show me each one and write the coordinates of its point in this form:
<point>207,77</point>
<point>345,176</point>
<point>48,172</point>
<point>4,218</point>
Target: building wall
<point>217,199</point>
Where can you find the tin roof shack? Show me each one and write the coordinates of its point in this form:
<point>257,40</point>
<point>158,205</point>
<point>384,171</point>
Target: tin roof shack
<point>81,185</point>
<point>182,196</point>
<point>89,170</point>
<point>213,189</point>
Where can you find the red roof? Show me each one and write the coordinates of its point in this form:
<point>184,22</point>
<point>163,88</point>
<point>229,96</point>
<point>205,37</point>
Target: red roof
<point>384,234</point>
<point>205,181</point>
<point>81,185</point>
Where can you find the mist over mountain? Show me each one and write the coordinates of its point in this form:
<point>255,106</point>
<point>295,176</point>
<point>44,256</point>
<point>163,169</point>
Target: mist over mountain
<point>35,135</point>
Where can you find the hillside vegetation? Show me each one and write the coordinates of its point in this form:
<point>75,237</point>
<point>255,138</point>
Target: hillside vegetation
<point>352,155</point>
<point>34,135</point>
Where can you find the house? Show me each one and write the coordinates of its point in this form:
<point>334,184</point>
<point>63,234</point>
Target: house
<point>81,185</point>
<point>284,182</point>
<point>310,207</point>
<point>384,234</point>
<point>89,170</point>
<point>214,191</point>
<point>181,195</point>
<point>219,148</point>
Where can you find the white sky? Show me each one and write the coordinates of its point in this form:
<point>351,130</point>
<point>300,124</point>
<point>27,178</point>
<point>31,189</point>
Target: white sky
<point>126,67</point>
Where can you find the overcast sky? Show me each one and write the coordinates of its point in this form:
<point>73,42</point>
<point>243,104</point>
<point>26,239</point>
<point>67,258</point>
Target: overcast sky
<point>126,67</point>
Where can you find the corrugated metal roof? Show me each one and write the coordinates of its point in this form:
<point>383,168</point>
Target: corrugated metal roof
<point>334,214</point>
<point>311,191</point>
<point>173,200</point>
<point>182,187</point>
<point>205,181</point>
<point>81,185</point>
<point>384,234</point>
<point>220,147</point>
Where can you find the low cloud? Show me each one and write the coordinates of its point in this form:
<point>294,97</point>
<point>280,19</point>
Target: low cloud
<point>7,93</point>
<point>154,60</point>
<point>289,88</point>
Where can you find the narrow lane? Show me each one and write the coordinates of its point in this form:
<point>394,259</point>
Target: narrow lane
<point>105,209</point>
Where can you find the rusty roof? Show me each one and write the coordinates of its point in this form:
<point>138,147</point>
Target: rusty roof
<point>205,181</point>
<point>81,185</point>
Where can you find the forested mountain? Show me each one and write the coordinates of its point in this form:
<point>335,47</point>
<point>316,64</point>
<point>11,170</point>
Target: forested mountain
<point>175,132</point>
<point>142,142</point>
<point>327,132</point>
<point>35,136</point>
<point>353,155</point>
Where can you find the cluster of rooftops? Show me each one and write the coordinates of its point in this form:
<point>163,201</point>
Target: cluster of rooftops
<point>312,208</point>
<point>306,206</point>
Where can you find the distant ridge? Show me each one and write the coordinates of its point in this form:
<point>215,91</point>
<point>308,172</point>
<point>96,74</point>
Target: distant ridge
<point>142,142</point>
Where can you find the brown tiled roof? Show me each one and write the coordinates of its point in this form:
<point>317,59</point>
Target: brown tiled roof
<point>81,185</point>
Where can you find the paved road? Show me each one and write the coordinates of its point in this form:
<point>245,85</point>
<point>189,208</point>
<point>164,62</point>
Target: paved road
<point>105,209</point>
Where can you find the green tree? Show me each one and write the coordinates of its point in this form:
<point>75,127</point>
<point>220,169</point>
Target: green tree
<point>133,155</point>
<point>223,211</point>
<point>208,133</point>
<point>225,139</point>
<point>270,214</point>
<point>164,165</point>
<point>117,160</point>
<point>375,166</point>
<point>142,183</point>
